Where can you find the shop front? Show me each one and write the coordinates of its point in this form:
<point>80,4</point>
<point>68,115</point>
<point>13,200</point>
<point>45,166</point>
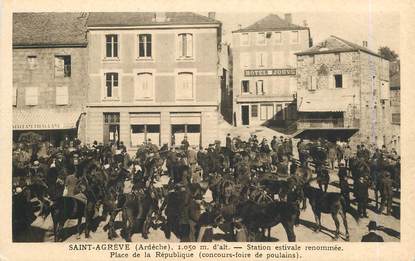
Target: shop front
<point>49,125</point>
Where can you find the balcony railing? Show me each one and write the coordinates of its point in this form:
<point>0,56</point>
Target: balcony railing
<point>327,123</point>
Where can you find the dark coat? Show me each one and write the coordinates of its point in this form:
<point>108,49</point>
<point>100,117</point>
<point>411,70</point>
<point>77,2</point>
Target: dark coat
<point>372,237</point>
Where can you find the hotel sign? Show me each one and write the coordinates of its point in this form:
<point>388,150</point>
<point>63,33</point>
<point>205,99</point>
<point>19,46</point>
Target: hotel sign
<point>270,72</point>
<point>39,126</point>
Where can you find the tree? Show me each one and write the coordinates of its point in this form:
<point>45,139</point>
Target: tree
<point>389,54</point>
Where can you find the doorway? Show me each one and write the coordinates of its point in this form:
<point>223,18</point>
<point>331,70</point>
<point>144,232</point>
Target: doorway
<point>245,114</point>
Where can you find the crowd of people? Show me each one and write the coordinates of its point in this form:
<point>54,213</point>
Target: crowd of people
<point>47,172</point>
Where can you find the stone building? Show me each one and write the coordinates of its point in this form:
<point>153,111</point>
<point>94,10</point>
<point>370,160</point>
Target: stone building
<point>264,69</point>
<point>153,76</point>
<point>49,72</point>
<point>343,93</point>
<point>395,89</point>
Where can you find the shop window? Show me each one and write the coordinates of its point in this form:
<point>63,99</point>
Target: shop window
<point>184,88</point>
<point>193,128</point>
<point>62,66</point>
<point>111,132</point>
<point>111,45</point>
<point>144,88</point>
<point>31,96</point>
<point>191,131</point>
<point>245,86</point>
<point>254,111</point>
<point>141,133</point>
<point>338,79</point>
<point>244,39</point>
<point>111,85</point>
<point>144,46</point>
<point>185,45</point>
<point>62,95</point>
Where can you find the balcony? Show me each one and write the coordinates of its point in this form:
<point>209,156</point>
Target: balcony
<point>339,123</point>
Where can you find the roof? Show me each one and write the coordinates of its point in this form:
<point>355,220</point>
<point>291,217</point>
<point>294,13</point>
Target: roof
<point>45,119</point>
<point>271,22</point>
<point>395,81</point>
<point>114,19</point>
<point>336,44</point>
<point>49,29</point>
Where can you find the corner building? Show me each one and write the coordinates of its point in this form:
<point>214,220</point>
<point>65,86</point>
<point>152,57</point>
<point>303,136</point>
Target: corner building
<point>153,76</point>
<point>264,70</point>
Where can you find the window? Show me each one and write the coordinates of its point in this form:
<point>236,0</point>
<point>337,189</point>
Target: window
<point>144,88</point>
<point>62,95</point>
<point>14,101</point>
<point>62,66</point>
<point>337,57</point>
<point>260,39</point>
<point>143,132</point>
<point>267,111</point>
<point>338,79</point>
<point>245,86</point>
<point>245,60</point>
<point>245,39</point>
<point>111,84</point>
<point>277,59</point>
<point>32,61</point>
<point>261,59</point>
<point>294,36</point>
<point>277,37</point>
<point>144,46</point>
<point>31,96</point>
<point>184,89</point>
<point>259,87</point>
<point>254,111</point>
<point>312,85</point>
<point>185,45</point>
<point>111,45</point>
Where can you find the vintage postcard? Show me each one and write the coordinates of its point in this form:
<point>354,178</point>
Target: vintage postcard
<point>250,130</point>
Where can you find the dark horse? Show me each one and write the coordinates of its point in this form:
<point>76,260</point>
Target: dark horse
<point>329,203</point>
<point>65,208</point>
<point>256,216</point>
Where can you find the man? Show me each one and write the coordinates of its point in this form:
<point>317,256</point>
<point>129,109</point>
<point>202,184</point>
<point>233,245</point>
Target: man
<point>228,142</point>
<point>386,193</point>
<point>372,236</point>
<point>171,161</point>
<point>362,196</point>
<point>192,160</point>
<point>274,143</point>
<point>344,185</point>
<point>185,143</point>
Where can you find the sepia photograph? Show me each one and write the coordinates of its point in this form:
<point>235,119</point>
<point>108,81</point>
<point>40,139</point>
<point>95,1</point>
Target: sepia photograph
<point>208,126</point>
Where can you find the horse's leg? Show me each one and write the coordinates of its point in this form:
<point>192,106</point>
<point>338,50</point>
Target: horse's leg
<point>337,223</point>
<point>111,231</point>
<point>317,217</point>
<point>78,226</point>
<point>289,230</point>
<point>346,228</point>
<point>146,224</point>
<point>89,212</point>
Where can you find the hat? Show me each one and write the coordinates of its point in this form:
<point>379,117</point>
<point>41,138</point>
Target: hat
<point>372,225</point>
<point>36,163</point>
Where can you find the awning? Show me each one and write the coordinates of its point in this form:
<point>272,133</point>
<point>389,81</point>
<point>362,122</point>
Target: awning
<point>329,134</point>
<point>328,104</point>
<point>43,119</point>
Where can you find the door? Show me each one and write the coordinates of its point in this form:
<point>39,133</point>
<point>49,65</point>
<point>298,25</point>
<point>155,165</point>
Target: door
<point>245,114</point>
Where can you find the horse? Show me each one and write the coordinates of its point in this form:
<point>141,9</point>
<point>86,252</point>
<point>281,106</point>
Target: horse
<point>65,208</point>
<point>329,203</point>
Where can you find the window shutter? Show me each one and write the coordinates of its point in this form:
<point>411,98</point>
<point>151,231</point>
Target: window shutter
<point>148,86</point>
<point>31,95</point>
<point>189,45</point>
<point>149,41</point>
<point>62,95</point>
<point>180,45</point>
<point>14,96</point>
<point>59,66</point>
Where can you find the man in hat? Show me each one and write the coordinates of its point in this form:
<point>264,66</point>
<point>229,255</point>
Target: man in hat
<point>274,143</point>
<point>228,142</point>
<point>386,193</point>
<point>185,143</point>
<point>362,195</point>
<point>372,236</point>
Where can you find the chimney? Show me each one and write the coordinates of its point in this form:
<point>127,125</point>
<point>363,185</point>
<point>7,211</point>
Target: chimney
<point>160,17</point>
<point>288,18</point>
<point>364,44</point>
<point>211,15</point>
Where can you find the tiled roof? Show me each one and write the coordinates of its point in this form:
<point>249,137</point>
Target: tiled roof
<point>336,44</point>
<point>112,19</point>
<point>270,23</point>
<point>39,29</point>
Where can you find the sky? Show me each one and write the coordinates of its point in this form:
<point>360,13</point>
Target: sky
<point>379,29</point>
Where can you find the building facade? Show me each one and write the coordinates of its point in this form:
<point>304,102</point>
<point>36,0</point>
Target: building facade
<point>395,92</point>
<point>264,70</point>
<point>153,76</point>
<point>343,93</point>
<point>49,72</point>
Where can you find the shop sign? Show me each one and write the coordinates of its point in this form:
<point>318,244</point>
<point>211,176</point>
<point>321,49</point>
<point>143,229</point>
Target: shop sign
<point>269,72</point>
